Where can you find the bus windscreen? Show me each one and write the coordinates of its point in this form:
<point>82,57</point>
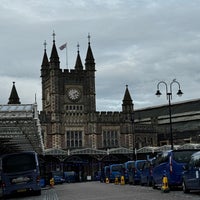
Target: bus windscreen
<point>19,163</point>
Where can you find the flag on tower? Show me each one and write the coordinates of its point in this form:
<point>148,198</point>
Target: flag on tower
<point>63,46</point>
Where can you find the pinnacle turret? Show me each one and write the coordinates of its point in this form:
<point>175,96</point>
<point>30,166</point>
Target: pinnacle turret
<point>127,105</point>
<point>14,98</point>
<point>45,61</point>
<point>54,59</point>
<point>89,61</point>
<point>78,65</point>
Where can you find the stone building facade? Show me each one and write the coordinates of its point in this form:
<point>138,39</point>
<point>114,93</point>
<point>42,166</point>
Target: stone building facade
<point>69,117</point>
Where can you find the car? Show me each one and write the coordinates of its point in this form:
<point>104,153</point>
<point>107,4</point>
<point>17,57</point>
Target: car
<point>70,176</point>
<point>58,179</point>
<point>191,174</point>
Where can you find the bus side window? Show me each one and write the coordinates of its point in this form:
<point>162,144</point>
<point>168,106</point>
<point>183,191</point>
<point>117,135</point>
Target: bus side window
<point>197,162</point>
<point>157,161</point>
<point>161,158</point>
<point>165,158</point>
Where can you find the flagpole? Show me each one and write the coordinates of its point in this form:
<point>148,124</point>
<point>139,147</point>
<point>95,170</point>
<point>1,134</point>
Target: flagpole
<point>66,57</point>
<point>64,46</point>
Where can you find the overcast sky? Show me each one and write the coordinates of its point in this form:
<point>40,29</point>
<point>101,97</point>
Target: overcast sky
<point>134,42</point>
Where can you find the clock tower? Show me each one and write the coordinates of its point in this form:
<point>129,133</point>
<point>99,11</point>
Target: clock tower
<point>68,99</point>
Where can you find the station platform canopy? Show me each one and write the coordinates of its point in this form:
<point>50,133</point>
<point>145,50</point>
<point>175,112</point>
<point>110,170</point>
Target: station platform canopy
<point>87,151</point>
<point>20,128</point>
<point>190,146</point>
<point>147,149</point>
<point>120,150</point>
<point>55,151</point>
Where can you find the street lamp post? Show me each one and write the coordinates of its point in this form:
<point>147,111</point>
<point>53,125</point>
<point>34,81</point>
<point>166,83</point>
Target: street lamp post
<point>169,98</point>
<point>133,135</point>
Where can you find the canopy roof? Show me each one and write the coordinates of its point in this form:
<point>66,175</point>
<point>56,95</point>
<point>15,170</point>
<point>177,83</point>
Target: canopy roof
<point>120,150</point>
<point>190,146</point>
<point>88,151</point>
<point>55,151</point>
<point>20,128</point>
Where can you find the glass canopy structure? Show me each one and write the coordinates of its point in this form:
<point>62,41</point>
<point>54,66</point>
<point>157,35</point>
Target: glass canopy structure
<point>20,128</point>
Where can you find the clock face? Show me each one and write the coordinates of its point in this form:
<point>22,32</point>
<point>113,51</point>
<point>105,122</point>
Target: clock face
<point>74,94</point>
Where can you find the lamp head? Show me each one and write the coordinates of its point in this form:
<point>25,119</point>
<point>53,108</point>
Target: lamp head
<point>179,93</point>
<point>158,93</point>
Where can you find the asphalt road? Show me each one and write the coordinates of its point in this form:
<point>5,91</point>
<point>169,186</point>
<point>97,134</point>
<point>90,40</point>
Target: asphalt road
<point>103,191</point>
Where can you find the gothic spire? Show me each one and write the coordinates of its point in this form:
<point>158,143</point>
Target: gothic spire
<point>89,61</point>
<point>54,54</point>
<point>45,61</point>
<point>78,65</point>
<point>14,99</point>
<point>127,105</point>
<point>127,96</point>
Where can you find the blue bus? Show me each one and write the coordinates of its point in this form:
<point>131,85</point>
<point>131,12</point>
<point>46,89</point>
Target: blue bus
<point>20,173</point>
<point>191,174</point>
<point>170,164</point>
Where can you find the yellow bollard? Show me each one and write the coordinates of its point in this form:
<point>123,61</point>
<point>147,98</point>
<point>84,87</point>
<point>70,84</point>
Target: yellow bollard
<point>122,180</point>
<point>116,181</point>
<point>52,182</point>
<point>165,186</point>
<point>107,180</point>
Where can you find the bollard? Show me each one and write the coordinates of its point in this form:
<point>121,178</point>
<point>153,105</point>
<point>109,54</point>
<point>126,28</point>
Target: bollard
<point>122,180</point>
<point>165,186</point>
<point>116,181</point>
<point>107,180</point>
<point>52,182</point>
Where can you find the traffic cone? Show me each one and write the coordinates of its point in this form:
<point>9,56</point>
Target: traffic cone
<point>165,186</point>
<point>122,180</point>
<point>107,180</point>
<point>116,181</point>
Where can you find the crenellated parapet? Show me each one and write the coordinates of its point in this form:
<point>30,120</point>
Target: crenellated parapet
<point>108,116</point>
